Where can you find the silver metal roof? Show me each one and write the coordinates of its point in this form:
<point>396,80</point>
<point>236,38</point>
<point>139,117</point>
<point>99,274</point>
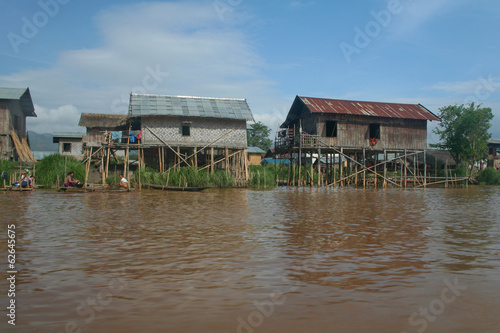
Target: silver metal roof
<point>24,97</point>
<point>189,106</point>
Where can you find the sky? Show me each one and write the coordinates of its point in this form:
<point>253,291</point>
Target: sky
<point>88,56</point>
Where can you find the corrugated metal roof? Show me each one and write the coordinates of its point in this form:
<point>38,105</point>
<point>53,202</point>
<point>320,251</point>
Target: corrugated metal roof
<point>375,109</point>
<point>188,106</point>
<point>255,150</point>
<point>24,97</point>
<point>68,135</point>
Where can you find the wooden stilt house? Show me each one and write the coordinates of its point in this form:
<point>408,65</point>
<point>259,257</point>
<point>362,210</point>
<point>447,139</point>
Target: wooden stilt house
<point>15,106</point>
<point>197,131</point>
<point>357,134</point>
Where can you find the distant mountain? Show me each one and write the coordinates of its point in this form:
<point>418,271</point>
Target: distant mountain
<point>41,142</point>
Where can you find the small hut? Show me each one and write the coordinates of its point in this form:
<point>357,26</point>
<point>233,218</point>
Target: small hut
<point>69,144</point>
<point>15,106</point>
<point>255,155</point>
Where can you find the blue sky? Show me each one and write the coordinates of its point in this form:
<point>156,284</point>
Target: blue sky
<point>87,56</point>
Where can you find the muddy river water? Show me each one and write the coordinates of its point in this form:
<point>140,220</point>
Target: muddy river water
<point>285,260</point>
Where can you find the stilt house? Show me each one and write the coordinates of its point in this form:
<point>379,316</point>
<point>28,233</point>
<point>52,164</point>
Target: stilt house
<point>358,125</point>
<point>15,106</point>
<point>197,131</point>
<point>356,138</point>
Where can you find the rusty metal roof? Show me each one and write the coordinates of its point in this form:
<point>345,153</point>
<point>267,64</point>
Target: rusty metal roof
<point>374,109</point>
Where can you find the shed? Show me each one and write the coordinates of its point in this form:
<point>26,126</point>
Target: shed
<point>255,155</point>
<point>70,144</point>
<point>15,105</point>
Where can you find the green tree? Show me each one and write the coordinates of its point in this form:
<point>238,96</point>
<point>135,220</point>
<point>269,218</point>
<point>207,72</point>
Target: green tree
<point>258,136</point>
<point>463,131</point>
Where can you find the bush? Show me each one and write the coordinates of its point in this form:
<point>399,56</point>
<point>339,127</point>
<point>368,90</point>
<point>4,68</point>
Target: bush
<point>48,168</point>
<point>489,176</point>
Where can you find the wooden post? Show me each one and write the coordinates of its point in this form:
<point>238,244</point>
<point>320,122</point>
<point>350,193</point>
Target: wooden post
<point>406,169</point>
<point>196,157</point>
<point>179,155</point>
<point>319,168</point>
<point>211,160</point>
<point>226,160</point>
<point>356,169</point>
<point>364,168</point>
<point>108,141</point>
<point>425,168</point>
<point>385,168</point>
<point>341,167</point>
<point>415,168</point>
<point>87,168</point>
<point>140,153</point>
<point>312,169</point>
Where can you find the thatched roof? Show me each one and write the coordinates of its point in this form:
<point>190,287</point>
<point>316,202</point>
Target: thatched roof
<point>92,120</point>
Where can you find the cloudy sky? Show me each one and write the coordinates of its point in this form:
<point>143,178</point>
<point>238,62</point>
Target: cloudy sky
<point>87,56</point>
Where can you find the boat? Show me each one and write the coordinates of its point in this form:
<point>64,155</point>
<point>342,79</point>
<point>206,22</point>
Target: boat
<point>177,188</point>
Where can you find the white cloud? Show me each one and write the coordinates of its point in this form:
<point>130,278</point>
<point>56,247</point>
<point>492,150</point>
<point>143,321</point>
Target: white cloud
<point>191,50</point>
<point>61,119</point>
<point>414,14</point>
<point>480,86</point>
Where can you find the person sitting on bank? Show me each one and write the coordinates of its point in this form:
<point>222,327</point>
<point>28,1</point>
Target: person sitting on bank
<point>123,182</point>
<point>70,181</point>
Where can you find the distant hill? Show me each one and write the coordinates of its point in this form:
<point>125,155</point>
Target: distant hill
<point>41,142</point>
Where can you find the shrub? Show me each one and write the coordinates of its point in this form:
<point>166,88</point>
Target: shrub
<point>489,176</point>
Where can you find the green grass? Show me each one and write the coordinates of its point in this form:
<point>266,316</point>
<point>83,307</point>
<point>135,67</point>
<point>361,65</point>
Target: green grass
<point>48,168</point>
<point>186,176</point>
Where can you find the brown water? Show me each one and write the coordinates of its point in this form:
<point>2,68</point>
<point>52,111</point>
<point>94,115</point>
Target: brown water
<point>287,260</point>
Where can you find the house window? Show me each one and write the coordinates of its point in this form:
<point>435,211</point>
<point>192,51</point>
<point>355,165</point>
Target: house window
<point>186,130</point>
<point>66,147</point>
<point>331,129</point>
<point>375,131</point>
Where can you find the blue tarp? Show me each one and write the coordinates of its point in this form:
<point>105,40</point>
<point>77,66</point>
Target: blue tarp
<point>275,161</point>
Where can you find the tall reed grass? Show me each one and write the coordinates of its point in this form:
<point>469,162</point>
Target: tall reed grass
<point>186,176</point>
<point>52,166</point>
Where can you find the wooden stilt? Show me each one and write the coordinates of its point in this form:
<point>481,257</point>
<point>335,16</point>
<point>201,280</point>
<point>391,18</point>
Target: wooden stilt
<point>211,160</point>
<point>385,168</point>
